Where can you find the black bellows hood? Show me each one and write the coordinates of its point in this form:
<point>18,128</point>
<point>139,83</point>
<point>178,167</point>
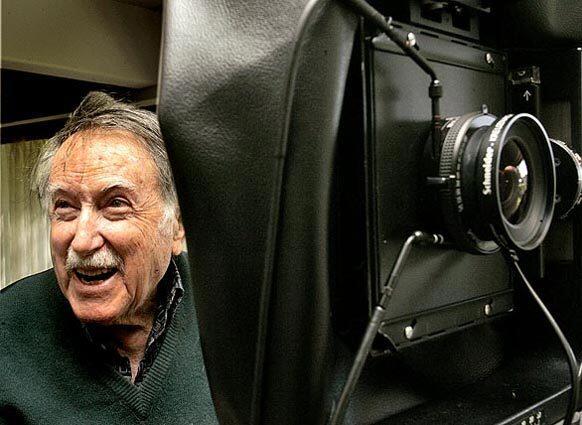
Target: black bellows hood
<point>250,103</point>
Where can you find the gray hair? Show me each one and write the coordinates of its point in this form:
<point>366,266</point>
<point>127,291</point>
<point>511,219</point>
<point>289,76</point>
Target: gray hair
<point>100,111</point>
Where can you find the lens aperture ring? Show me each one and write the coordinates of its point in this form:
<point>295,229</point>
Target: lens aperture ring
<point>456,132</point>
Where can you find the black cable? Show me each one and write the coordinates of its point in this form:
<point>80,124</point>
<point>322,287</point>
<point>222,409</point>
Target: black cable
<point>338,412</point>
<point>575,370</point>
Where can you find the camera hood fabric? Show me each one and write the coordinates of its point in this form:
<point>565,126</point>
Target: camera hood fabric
<point>250,101</point>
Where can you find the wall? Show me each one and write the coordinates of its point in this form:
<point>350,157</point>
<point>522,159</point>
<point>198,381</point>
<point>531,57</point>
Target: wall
<point>24,236</point>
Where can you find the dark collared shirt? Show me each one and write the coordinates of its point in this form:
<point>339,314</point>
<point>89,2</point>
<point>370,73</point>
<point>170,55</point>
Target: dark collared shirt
<point>170,292</point>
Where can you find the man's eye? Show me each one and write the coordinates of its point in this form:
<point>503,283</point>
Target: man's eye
<point>60,204</point>
<point>64,210</point>
<point>118,203</point>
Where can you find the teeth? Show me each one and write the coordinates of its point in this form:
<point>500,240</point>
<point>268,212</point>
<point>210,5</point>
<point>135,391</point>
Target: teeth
<point>94,272</point>
<point>94,276</point>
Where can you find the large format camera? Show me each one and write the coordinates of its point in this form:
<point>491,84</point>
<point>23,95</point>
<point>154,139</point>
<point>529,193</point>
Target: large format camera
<point>487,176</point>
<point>424,166</point>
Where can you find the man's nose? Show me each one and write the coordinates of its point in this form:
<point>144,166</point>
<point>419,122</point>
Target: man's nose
<point>88,237</point>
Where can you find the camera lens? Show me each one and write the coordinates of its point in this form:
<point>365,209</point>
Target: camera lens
<point>513,172</point>
<point>568,178</point>
<point>500,178</point>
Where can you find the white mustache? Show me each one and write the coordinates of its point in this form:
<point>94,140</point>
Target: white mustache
<point>102,259</point>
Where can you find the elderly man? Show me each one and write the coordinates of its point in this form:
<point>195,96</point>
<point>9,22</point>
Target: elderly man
<point>110,334</point>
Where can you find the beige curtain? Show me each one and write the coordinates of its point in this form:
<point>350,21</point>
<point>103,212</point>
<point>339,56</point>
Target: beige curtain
<point>24,230</point>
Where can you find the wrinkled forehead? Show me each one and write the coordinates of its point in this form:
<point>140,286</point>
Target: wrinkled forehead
<point>98,157</point>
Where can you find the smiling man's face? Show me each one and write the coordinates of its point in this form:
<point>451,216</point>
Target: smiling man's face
<point>109,248</point>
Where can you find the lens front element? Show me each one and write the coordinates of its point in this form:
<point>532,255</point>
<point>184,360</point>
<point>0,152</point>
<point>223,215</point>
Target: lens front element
<point>513,185</point>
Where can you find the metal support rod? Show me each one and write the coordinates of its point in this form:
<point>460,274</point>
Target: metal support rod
<point>368,12</point>
<point>337,414</point>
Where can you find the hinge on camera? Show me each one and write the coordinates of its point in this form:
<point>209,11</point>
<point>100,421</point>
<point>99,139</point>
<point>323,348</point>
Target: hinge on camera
<point>525,90</point>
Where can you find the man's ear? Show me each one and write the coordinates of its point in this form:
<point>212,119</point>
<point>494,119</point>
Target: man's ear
<point>178,237</point>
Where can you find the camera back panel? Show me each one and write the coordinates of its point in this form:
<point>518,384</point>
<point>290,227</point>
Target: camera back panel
<point>441,290</point>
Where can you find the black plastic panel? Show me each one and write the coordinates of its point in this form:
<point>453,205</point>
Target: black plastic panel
<point>433,277</point>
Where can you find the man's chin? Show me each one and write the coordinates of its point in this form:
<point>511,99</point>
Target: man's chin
<point>98,311</point>
<point>90,315</point>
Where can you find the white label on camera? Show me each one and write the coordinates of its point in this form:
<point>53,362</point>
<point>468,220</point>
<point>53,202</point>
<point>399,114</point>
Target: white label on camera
<point>487,168</point>
<point>497,129</point>
<point>488,159</point>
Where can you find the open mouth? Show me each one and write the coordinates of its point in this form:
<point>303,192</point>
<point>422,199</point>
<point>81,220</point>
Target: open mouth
<point>95,276</point>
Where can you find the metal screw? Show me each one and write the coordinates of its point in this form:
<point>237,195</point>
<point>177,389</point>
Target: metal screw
<point>489,59</point>
<point>408,332</point>
<point>488,310</point>
<point>411,39</point>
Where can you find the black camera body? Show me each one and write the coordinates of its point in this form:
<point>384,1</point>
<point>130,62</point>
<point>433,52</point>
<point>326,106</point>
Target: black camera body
<point>464,292</point>
<point>400,118</point>
<point>400,201</point>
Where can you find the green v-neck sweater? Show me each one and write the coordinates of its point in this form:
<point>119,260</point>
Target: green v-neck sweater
<point>49,374</point>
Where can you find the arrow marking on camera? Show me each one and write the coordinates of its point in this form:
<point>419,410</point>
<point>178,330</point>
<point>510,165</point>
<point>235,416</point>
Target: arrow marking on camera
<point>527,95</point>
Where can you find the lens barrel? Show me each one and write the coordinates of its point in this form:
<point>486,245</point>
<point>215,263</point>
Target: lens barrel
<point>500,181</point>
<point>568,166</point>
